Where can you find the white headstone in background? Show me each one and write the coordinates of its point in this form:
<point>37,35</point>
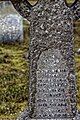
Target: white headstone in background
<point>11,23</point>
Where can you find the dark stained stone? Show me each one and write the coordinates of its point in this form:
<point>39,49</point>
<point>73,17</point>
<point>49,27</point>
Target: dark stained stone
<point>52,76</point>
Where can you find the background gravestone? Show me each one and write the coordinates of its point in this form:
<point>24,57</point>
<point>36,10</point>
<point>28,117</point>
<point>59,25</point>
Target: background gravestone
<point>52,77</point>
<point>11,23</point>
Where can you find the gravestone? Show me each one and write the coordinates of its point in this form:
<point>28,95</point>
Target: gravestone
<point>11,24</point>
<point>52,89</point>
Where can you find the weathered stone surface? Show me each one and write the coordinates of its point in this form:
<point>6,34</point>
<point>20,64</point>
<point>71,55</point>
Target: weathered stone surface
<point>52,91</point>
<point>11,24</point>
<point>52,97</point>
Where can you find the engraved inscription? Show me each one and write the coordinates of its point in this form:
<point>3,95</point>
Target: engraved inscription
<point>52,97</point>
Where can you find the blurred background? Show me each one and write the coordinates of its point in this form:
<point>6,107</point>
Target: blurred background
<point>14,65</point>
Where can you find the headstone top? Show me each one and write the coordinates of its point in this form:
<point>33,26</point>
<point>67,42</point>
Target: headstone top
<point>11,24</point>
<point>25,8</point>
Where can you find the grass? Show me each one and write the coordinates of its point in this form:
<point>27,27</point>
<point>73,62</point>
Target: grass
<point>77,59</point>
<point>14,77</point>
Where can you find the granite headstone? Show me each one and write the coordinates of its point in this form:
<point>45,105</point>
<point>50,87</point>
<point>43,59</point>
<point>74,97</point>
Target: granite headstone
<point>52,89</point>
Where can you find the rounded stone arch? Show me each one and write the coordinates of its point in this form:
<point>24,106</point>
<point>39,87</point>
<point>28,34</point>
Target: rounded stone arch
<point>52,86</point>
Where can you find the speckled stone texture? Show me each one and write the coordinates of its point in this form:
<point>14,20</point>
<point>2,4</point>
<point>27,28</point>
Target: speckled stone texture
<point>52,90</point>
<point>11,24</point>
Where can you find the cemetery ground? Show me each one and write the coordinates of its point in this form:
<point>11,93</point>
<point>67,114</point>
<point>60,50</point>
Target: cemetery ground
<point>14,75</point>
<point>77,59</point>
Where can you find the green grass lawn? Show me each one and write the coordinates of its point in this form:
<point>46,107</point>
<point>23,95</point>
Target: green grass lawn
<point>14,77</point>
<point>77,59</point>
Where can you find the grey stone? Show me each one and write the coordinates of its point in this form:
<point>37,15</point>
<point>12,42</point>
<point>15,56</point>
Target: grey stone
<point>11,24</point>
<point>52,90</point>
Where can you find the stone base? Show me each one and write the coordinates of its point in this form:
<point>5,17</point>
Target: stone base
<point>25,116</point>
